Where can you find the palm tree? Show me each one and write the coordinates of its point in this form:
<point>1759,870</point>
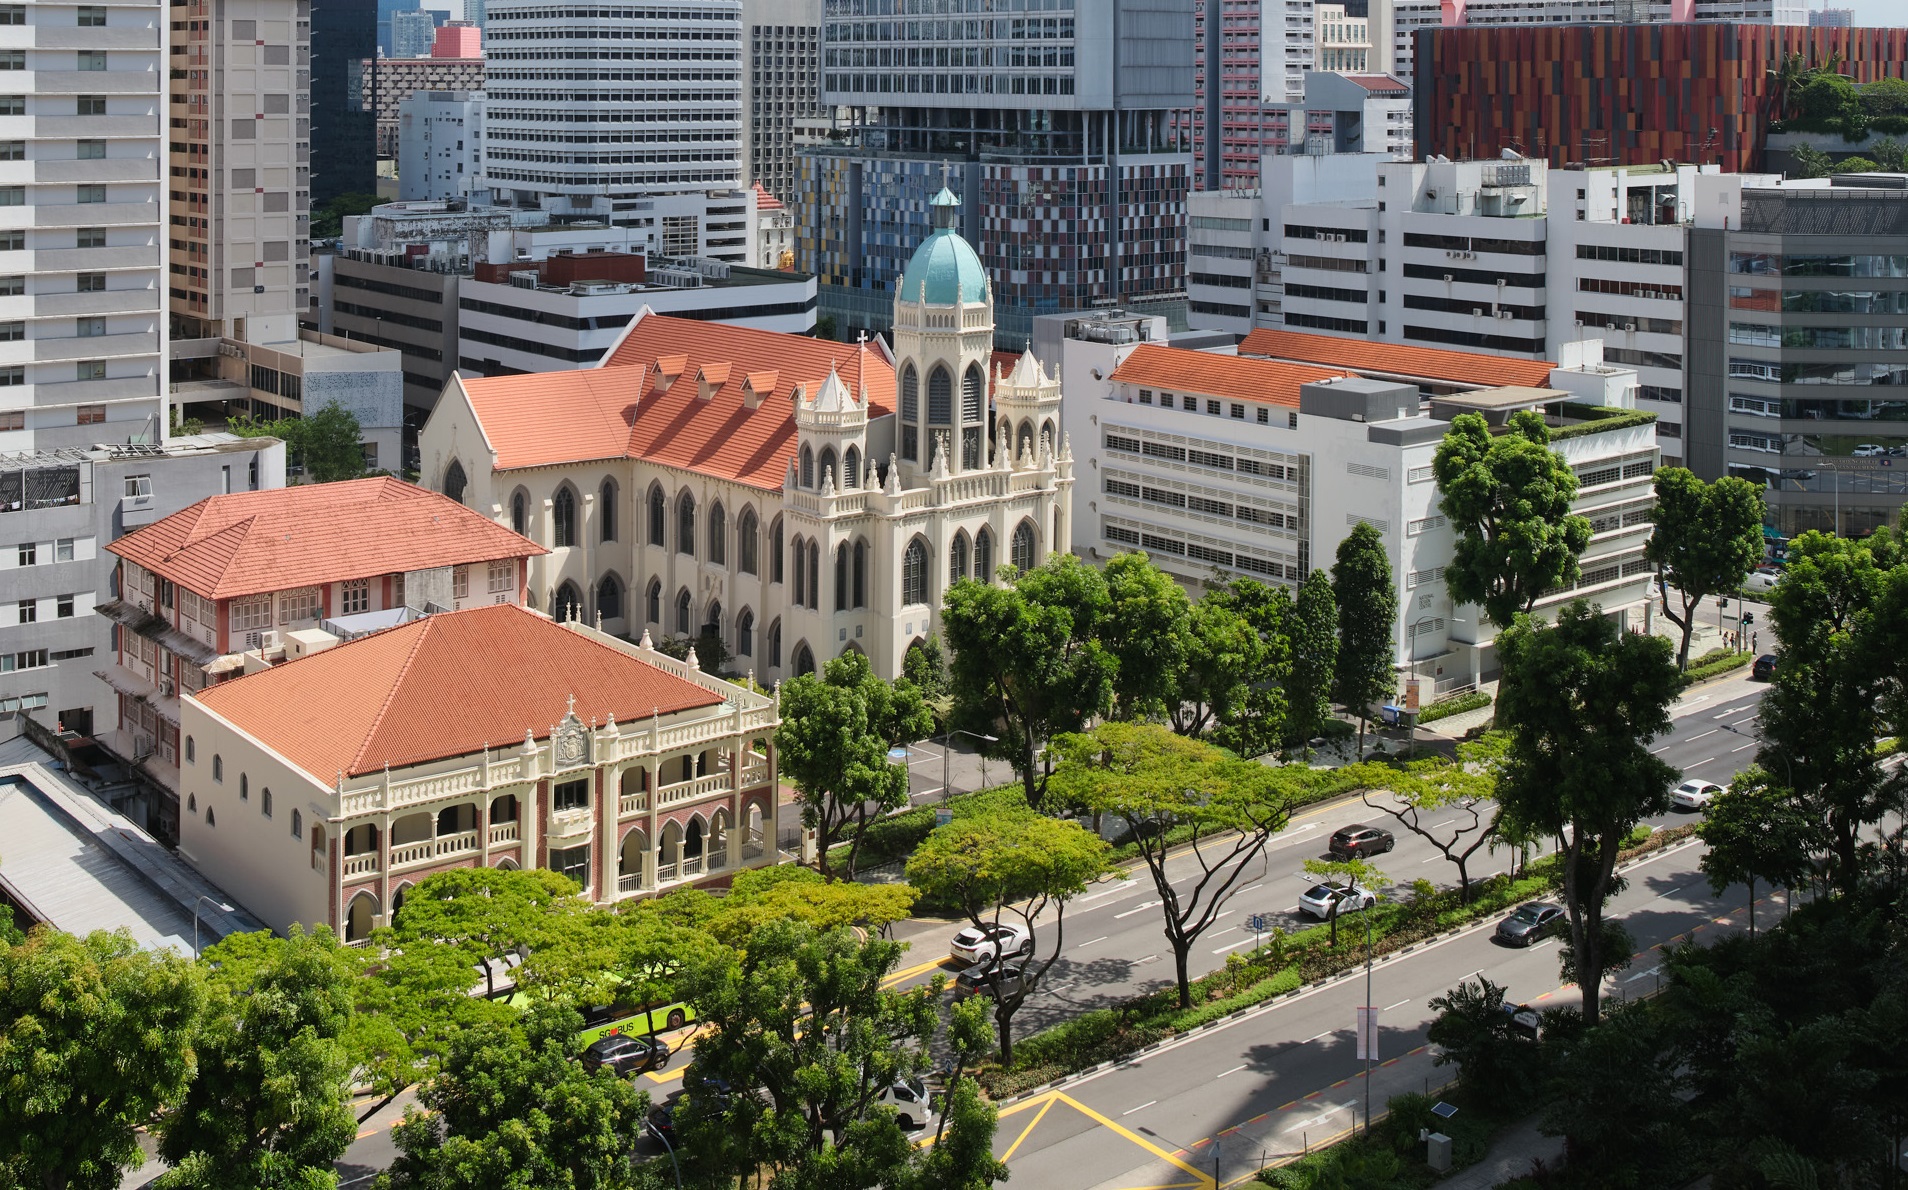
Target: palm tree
<point>1788,78</point>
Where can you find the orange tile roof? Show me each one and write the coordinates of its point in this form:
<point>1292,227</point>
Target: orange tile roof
<point>1392,359</point>
<point>247,543</point>
<point>383,699</point>
<point>616,411</point>
<point>764,201</point>
<point>1209,374</point>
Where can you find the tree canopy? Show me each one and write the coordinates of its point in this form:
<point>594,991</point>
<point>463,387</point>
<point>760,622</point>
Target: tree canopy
<point>1312,632</point>
<point>326,443</point>
<point>1365,674</point>
<point>1508,496</point>
<point>1707,537</point>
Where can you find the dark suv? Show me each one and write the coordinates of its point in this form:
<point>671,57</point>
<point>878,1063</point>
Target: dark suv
<point>626,1056</point>
<point>1356,842</point>
<point>1764,668</point>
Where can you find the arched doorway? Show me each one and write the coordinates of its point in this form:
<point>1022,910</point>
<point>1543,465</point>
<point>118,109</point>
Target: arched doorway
<point>629,864</point>
<point>361,917</point>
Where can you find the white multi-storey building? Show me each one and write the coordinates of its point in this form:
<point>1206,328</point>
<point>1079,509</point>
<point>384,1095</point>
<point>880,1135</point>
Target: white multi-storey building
<point>781,87</point>
<point>1627,12</point>
<point>82,204</point>
<point>1505,257</point>
<point>1229,465</point>
<point>441,145</point>
<point>597,111</point>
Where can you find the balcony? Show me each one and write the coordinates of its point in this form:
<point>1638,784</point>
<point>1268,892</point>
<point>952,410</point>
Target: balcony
<point>461,843</point>
<point>111,301</point>
<point>98,169</point>
<point>632,803</point>
<point>505,833</point>
<point>689,791</point>
<point>361,865</point>
<point>94,346</point>
<point>131,256</point>
<point>569,826</point>
<point>97,214</point>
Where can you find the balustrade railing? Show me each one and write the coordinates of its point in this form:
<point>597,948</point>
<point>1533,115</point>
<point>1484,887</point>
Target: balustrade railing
<point>361,865</point>
<point>505,832</point>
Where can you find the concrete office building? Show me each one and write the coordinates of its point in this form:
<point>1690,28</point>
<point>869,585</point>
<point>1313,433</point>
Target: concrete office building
<point>344,152</point>
<point>1233,465</point>
<point>660,112</point>
<point>455,63</point>
<point>441,146</point>
<point>1504,257</point>
<point>1052,122</point>
<point>1798,309</point>
<point>82,334</point>
<point>1623,12</point>
<point>781,94</point>
<point>411,33</point>
<point>1832,18</point>
<point>59,509</point>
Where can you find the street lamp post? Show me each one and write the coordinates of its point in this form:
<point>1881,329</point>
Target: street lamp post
<point>1371,1042</point>
<point>195,918</point>
<point>947,738</point>
<point>671,1149</point>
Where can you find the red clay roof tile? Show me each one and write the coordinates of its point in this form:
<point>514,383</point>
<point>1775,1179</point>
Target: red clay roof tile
<point>1394,359</point>
<point>616,411</point>
<point>1236,377</point>
<point>383,699</point>
<point>247,543</point>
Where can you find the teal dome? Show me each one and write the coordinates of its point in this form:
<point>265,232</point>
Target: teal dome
<point>948,269</point>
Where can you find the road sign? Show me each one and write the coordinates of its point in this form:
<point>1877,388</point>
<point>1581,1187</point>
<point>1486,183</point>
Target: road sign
<point>942,816</point>
<point>1367,1034</point>
<point>1257,922</point>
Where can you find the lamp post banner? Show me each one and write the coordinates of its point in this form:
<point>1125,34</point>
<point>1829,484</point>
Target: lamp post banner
<point>1367,1034</point>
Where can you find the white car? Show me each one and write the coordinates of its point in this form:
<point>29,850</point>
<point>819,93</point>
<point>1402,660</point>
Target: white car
<point>1694,795</point>
<point>1760,582</point>
<point>1867,450</point>
<point>1319,898</point>
<point>973,945</point>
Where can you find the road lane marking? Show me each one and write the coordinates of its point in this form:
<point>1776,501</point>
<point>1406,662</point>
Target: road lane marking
<point>1151,958</point>
<point>1083,945</point>
<point>1234,1070</point>
<point>1705,735</point>
<point>1672,892</point>
<point>1644,974</point>
<point>1399,1004</point>
<point>1326,1033</point>
<point>1436,825</point>
<point>1138,909</point>
<point>1695,763</point>
<point>1025,1132</point>
<point>1120,885</point>
<point>1746,747</point>
<point>1434,859</point>
<point>1136,1138</point>
<point>1248,888</point>
<point>1142,1107</point>
<point>1235,945</point>
<point>911,972</point>
<point>1664,748</point>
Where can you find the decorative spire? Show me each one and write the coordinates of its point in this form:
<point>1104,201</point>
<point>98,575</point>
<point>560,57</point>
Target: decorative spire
<point>893,486</point>
<point>690,660</point>
<point>570,709</point>
<point>828,481</point>
<point>940,456</point>
<point>529,740</point>
<point>646,644</point>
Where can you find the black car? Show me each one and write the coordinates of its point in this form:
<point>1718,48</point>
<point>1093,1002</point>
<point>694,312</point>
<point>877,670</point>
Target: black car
<point>1358,841</point>
<point>1764,668</point>
<point>626,1056</point>
<point>1531,921</point>
<point>663,1116</point>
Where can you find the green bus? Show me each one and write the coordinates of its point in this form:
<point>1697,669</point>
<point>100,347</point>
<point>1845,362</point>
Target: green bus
<point>639,1020</point>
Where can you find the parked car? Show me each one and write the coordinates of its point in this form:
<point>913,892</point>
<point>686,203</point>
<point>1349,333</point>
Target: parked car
<point>1867,450</point>
<point>973,944</point>
<point>991,979</point>
<point>1694,795</point>
<point>664,1115</point>
<point>626,1056</point>
<point>1764,668</point>
<point>1359,840</point>
<point>1319,899</point>
<point>1533,920</point>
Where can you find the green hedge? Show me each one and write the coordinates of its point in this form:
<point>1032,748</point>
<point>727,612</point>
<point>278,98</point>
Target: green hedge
<point>1716,661</point>
<point>1457,704</point>
<point>1600,419</point>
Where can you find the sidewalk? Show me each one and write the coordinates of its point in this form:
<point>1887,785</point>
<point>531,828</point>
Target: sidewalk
<point>1508,1157</point>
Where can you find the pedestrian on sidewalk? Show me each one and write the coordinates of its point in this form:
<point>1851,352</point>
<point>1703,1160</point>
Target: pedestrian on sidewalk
<point>1753,638</point>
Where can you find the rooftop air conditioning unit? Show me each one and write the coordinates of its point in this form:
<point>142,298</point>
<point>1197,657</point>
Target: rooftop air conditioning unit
<point>1477,311</point>
<point>1506,315</point>
<point>1447,277</point>
<point>267,641</point>
<point>1629,326</point>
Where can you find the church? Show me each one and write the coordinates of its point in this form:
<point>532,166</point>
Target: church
<point>796,497</point>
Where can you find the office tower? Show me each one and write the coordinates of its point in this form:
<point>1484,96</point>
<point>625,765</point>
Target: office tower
<point>82,151</point>
<point>388,9</point>
<point>657,111</point>
<point>781,88</point>
<point>1228,117</point>
<point>1832,18</point>
<point>455,63</point>
<point>1051,122</point>
<point>1624,94</point>
<point>1798,306</point>
<point>344,158</point>
<point>411,33</point>
<point>240,231</point>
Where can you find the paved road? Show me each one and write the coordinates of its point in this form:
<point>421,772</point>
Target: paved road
<point>1284,1077</point>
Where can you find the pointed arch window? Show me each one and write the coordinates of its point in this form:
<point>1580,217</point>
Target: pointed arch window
<point>718,534</point>
<point>520,514</point>
<point>910,394</point>
<point>609,598</point>
<point>825,469</point>
<point>686,524</point>
<point>776,560</point>
<point>1025,547</point>
<point>973,391</point>
<point>606,513</point>
<point>859,597</point>
<point>814,576</point>
<point>745,542</point>
<point>841,577</point>
<point>745,633</point>
<point>984,555</point>
<point>563,517</point>
<point>684,618</point>
<point>957,559</point>
<point>654,601</point>
<point>801,571</point>
<point>455,481</point>
<point>851,468</point>
<point>914,564</point>
<point>775,645</point>
<point>808,467</point>
<point>569,601</point>
<point>658,515</point>
<point>940,397</point>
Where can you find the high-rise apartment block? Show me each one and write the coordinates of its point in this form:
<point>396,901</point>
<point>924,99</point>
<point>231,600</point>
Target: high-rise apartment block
<point>598,111</point>
<point>82,146</point>
<point>455,63</point>
<point>1832,18</point>
<point>1623,94</point>
<point>1052,121</point>
<point>441,145</point>
<point>781,88</point>
<point>1504,257</point>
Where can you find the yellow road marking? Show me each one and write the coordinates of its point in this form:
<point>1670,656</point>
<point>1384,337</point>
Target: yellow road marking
<point>1028,1130</point>
<point>1028,1104</point>
<point>1205,1180</point>
<point>910,972</point>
